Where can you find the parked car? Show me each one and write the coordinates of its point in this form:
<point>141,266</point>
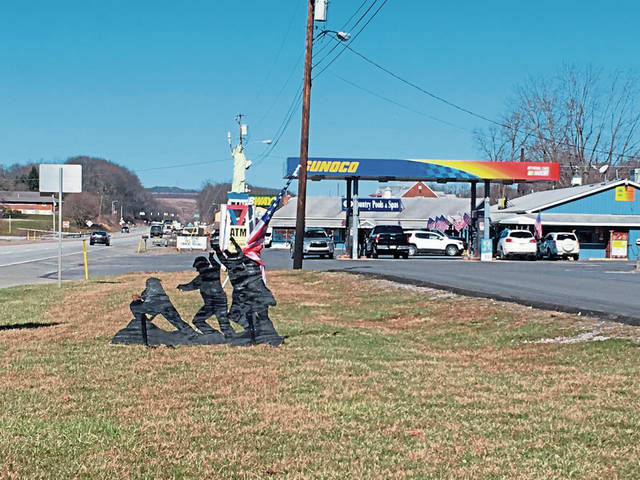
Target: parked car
<point>520,243</point>
<point>387,240</point>
<point>433,242</point>
<point>100,236</point>
<point>316,242</point>
<point>560,245</point>
<point>125,229</point>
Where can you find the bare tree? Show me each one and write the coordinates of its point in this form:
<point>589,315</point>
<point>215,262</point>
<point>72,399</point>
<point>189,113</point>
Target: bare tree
<point>579,118</point>
<point>82,207</point>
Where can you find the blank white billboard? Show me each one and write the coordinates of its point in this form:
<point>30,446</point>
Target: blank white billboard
<point>71,178</point>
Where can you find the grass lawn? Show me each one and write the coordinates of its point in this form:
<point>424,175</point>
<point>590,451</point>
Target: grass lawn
<point>36,222</point>
<point>375,380</point>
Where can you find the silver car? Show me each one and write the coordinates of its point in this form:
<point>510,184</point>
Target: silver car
<point>316,242</point>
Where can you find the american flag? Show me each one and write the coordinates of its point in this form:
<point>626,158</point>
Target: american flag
<point>538,227</point>
<point>431,223</point>
<point>442,223</point>
<point>467,219</point>
<point>459,224</point>
<point>255,240</point>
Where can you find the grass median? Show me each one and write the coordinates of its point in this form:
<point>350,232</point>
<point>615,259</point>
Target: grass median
<point>375,380</point>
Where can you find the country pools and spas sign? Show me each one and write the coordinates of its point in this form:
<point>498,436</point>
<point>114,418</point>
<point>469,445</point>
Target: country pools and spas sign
<point>376,204</point>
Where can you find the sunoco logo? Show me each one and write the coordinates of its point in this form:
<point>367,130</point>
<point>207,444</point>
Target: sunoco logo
<point>332,166</point>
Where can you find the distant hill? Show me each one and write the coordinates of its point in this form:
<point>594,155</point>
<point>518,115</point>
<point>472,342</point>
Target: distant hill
<point>159,189</point>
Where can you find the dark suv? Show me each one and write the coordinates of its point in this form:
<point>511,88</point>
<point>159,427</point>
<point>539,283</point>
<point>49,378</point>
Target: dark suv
<point>100,236</point>
<point>387,240</point>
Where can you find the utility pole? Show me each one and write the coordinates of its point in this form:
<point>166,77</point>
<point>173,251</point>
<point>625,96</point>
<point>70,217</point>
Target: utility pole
<point>304,142</point>
<point>239,119</point>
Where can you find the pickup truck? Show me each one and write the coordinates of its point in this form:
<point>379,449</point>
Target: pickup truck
<point>387,240</point>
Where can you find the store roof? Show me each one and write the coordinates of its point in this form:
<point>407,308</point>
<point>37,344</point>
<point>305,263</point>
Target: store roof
<point>548,198</point>
<point>24,197</point>
<point>327,212</point>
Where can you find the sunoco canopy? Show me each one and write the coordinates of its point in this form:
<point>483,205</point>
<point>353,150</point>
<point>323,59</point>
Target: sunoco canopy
<point>385,169</point>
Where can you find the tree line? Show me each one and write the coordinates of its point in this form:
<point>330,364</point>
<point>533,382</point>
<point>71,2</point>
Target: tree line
<point>580,117</point>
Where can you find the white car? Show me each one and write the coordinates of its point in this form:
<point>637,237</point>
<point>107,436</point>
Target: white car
<point>433,242</point>
<point>560,245</point>
<point>520,243</point>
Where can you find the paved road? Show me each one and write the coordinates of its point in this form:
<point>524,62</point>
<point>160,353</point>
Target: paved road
<point>37,262</point>
<point>607,289</point>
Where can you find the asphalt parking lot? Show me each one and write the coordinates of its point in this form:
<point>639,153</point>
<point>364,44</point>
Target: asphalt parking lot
<point>607,289</point>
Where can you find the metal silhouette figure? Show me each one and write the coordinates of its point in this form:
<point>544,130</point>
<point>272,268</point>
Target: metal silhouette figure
<point>251,298</point>
<point>154,301</point>
<point>215,300</point>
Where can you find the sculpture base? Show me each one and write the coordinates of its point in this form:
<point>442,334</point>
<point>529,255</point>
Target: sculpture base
<point>132,335</point>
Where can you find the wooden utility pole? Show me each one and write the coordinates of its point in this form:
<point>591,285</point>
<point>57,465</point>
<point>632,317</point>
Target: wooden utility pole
<point>304,143</point>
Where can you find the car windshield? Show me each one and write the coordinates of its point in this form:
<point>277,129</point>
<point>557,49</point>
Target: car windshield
<point>521,234</point>
<point>99,233</point>
<point>315,234</point>
<point>566,236</point>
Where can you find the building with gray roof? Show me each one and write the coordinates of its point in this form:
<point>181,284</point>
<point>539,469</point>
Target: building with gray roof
<point>596,213</point>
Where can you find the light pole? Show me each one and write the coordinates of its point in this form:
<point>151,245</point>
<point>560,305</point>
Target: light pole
<point>304,136</point>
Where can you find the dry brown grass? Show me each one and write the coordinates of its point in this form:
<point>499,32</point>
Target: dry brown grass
<point>375,380</point>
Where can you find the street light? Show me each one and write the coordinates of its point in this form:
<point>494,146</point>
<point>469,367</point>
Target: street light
<point>304,135</point>
<point>342,36</point>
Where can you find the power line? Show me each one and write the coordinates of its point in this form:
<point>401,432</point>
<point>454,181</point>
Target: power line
<point>386,99</point>
<point>353,39</point>
<point>344,27</point>
<point>466,110</point>
<point>282,128</point>
<point>298,97</point>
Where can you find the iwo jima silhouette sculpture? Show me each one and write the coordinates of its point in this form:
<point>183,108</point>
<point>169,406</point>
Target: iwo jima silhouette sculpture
<point>249,307</point>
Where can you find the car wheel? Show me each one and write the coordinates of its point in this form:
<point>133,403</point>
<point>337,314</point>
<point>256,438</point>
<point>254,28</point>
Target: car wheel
<point>330,255</point>
<point>451,250</point>
<point>575,257</point>
<point>405,256</point>
<point>90,242</point>
<point>413,250</point>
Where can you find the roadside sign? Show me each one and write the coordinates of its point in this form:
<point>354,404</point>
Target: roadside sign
<point>49,178</point>
<point>65,224</point>
<point>486,250</point>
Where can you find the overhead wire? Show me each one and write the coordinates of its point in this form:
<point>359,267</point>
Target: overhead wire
<point>317,63</point>
<point>463,109</point>
<point>393,102</point>
<point>298,98</point>
<point>321,35</point>
<point>353,39</point>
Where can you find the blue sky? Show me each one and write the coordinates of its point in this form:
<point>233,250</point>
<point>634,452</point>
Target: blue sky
<point>152,85</point>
